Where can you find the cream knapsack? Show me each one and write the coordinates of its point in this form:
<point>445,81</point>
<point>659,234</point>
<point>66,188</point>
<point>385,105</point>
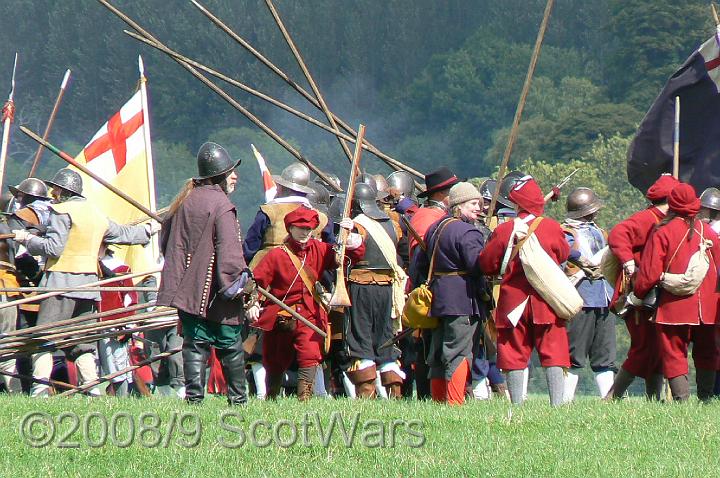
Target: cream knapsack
<point>689,282</point>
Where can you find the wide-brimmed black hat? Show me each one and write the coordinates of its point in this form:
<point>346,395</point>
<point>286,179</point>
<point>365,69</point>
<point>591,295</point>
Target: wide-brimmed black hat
<point>439,180</point>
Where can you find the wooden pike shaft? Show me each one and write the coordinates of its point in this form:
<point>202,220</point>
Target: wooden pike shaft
<point>105,378</point>
<point>340,297</point>
<point>10,336</point>
<point>35,298</point>
<point>291,311</point>
<point>715,14</point>
<point>308,76</point>
<point>676,140</point>
<point>373,149</point>
<point>99,326</point>
<point>520,106</point>
<point>87,326</point>
<point>229,99</point>
<point>48,346</point>
<point>50,122</point>
<point>49,382</point>
<point>69,159</point>
<point>75,289</point>
<point>9,112</point>
<point>245,88</point>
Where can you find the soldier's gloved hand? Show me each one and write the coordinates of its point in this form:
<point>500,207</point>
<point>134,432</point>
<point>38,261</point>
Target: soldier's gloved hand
<point>21,235</point>
<point>253,312</point>
<point>629,267</point>
<point>555,194</point>
<point>153,227</point>
<point>353,241</point>
<point>347,223</point>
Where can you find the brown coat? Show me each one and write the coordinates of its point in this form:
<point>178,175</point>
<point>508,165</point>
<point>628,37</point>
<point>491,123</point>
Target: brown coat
<point>203,256</point>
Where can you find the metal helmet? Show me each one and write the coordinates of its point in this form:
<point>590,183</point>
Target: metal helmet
<point>403,182</point>
<point>487,188</point>
<point>506,186</point>
<point>582,202</point>
<point>377,181</point>
<point>31,187</point>
<point>68,180</point>
<point>334,179</point>
<point>366,197</point>
<point>319,197</point>
<point>214,160</point>
<point>710,199</point>
<point>295,177</point>
<point>335,209</point>
<point>6,203</point>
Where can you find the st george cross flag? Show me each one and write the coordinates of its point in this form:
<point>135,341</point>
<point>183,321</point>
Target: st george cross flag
<point>118,154</point>
<point>269,185</point>
<point>697,83</point>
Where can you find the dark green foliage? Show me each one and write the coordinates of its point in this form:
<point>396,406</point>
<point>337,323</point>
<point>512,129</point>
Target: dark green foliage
<point>435,82</point>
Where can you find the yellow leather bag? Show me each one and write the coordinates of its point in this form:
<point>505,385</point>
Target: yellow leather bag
<point>416,314</point>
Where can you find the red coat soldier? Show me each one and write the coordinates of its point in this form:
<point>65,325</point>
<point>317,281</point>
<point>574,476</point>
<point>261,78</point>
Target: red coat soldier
<point>290,272</point>
<point>682,319</point>
<point>537,325</point>
<point>627,242</point>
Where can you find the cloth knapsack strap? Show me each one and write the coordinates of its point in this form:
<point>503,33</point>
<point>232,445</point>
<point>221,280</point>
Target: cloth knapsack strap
<point>305,276</point>
<point>531,230</point>
<point>436,237</point>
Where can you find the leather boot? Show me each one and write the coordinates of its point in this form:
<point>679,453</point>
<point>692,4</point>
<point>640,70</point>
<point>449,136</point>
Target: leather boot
<point>364,381</point>
<point>680,388</point>
<point>623,380</point>
<point>273,383</point>
<point>501,390</point>
<point>705,380</point>
<point>392,383</point>
<point>306,381</point>
<point>654,386</point>
<point>232,361</point>
<point>195,356</point>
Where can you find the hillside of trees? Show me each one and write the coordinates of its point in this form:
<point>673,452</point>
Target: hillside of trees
<point>435,82</point>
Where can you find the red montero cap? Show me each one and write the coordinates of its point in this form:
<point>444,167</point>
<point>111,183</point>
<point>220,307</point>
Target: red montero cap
<point>303,216</point>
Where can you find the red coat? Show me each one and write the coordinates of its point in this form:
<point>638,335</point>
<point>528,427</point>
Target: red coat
<point>629,237</point>
<point>116,300</point>
<point>275,272</point>
<point>421,221</point>
<point>694,309</point>
<point>515,288</point>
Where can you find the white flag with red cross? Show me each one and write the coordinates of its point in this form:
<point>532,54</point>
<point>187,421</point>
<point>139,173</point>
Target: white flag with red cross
<point>119,153</point>
<point>269,185</point>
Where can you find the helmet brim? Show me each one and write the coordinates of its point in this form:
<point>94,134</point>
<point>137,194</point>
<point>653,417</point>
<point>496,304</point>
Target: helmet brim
<point>293,186</point>
<point>200,178</point>
<point>55,185</point>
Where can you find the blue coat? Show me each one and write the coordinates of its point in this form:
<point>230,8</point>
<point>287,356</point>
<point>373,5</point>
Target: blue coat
<point>458,250</point>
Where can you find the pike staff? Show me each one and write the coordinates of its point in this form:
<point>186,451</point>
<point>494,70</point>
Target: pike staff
<point>521,105</point>
<point>51,120</point>
<point>225,96</point>
<point>308,76</point>
<point>69,159</point>
<point>340,297</point>
<point>394,163</point>
<point>8,115</point>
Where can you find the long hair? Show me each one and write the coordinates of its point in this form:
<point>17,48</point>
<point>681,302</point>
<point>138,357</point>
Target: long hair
<point>182,195</point>
<point>688,220</point>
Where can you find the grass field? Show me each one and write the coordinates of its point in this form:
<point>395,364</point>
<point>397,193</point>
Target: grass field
<point>588,438</point>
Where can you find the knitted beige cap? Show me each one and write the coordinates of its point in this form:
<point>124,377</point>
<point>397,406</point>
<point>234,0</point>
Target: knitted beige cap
<point>463,192</point>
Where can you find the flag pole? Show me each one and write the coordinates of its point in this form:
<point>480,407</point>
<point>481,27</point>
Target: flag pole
<point>715,14</point>
<point>148,151</point>
<point>51,120</point>
<point>69,159</point>
<point>8,115</point>
<point>676,140</point>
<point>520,106</point>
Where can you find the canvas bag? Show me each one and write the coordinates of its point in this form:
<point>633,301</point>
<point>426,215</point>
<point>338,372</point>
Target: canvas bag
<point>689,281</point>
<point>547,278</point>
<point>416,314</point>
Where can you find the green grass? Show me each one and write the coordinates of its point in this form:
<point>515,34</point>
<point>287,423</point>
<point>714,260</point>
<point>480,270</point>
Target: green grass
<point>588,438</point>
